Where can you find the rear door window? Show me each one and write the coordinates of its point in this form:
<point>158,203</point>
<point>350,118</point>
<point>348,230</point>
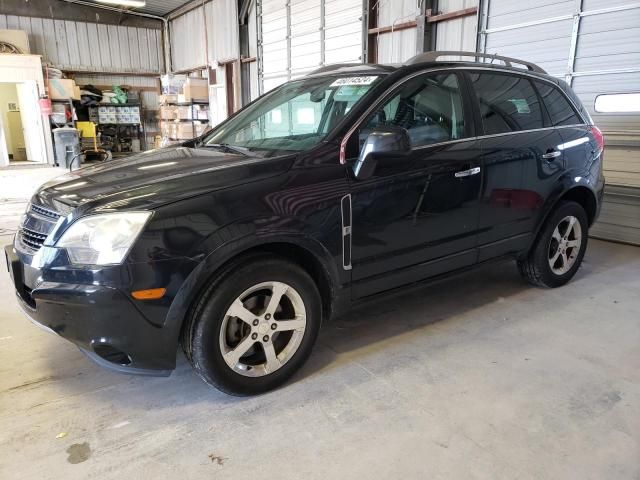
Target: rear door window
<point>508,103</point>
<point>559,108</point>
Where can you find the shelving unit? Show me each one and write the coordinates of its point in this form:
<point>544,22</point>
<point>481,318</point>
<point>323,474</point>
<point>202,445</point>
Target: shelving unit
<point>199,119</point>
<point>68,104</point>
<point>114,125</point>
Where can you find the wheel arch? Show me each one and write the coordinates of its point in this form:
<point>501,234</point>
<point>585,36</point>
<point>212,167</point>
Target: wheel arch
<point>306,253</point>
<point>577,192</point>
<point>584,196</point>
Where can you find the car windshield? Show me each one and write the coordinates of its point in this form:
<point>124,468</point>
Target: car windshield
<point>295,117</point>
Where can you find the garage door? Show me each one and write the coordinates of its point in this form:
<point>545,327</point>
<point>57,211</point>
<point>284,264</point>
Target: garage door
<point>297,36</point>
<point>594,46</point>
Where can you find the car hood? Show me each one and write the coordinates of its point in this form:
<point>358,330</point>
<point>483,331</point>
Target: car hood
<point>150,179</point>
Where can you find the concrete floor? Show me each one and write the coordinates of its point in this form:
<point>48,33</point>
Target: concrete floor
<point>480,376</point>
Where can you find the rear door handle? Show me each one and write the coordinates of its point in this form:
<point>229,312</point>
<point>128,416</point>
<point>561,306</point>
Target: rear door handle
<point>551,155</point>
<point>467,173</point>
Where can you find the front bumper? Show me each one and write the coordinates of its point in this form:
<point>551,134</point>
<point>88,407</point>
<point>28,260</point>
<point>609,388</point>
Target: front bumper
<point>103,321</point>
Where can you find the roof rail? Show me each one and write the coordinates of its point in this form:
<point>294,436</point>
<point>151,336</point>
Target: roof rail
<point>508,61</point>
<point>333,66</point>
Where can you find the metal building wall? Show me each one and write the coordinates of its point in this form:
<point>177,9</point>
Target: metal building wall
<point>297,36</point>
<point>253,50</point>
<point>86,46</point>
<point>396,46</point>
<point>457,33</point>
<point>190,44</point>
<point>594,46</point>
<point>187,39</point>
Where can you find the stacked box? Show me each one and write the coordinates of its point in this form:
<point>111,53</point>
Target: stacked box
<point>200,128</point>
<point>201,112</point>
<point>167,112</point>
<point>183,112</point>
<point>173,98</point>
<point>196,89</point>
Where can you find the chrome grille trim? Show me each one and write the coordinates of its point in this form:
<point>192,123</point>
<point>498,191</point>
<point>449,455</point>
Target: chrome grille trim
<point>31,238</point>
<point>45,212</point>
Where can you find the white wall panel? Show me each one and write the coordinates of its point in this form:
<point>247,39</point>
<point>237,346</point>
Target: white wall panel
<point>298,36</point>
<point>74,45</point>
<point>458,33</point>
<point>190,44</point>
<point>396,46</point>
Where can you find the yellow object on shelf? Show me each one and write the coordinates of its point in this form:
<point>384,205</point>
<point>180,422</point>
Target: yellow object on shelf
<point>87,129</point>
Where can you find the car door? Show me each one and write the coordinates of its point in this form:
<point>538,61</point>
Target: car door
<point>521,159</point>
<point>417,216</point>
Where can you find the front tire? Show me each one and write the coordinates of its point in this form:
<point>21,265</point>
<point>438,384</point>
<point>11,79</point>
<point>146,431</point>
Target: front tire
<point>254,326</point>
<point>559,248</point>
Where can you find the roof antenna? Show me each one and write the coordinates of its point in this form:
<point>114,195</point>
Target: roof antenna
<point>493,57</point>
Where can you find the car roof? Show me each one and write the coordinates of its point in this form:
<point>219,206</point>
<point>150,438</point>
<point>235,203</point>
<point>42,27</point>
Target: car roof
<point>382,69</point>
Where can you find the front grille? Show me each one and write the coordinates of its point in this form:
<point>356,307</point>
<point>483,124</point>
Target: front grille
<point>45,212</point>
<point>31,238</point>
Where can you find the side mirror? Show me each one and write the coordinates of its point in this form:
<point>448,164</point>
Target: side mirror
<point>384,143</point>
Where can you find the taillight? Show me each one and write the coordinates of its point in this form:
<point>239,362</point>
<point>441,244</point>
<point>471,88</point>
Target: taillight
<point>598,137</point>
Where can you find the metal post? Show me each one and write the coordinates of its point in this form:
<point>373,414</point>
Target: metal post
<point>259,49</point>
<point>426,32</point>
<point>571,62</point>
<point>289,62</point>
<point>323,47</point>
<point>483,22</point>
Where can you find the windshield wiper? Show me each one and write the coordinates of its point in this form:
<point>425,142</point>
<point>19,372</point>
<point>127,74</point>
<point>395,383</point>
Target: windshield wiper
<point>228,148</point>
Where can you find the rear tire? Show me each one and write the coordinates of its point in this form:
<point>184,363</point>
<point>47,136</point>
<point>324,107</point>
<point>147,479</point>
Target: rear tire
<point>559,248</point>
<point>243,343</point>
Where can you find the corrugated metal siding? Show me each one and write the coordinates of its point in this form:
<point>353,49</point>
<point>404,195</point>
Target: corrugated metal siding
<point>458,33</point>
<point>186,33</point>
<point>342,31</point>
<point>189,42</point>
<point>607,60</point>
<point>619,219</point>
<point>546,44</point>
<point>90,46</point>
<point>397,46</point>
<point>222,22</point>
<point>253,51</point>
<point>297,36</point>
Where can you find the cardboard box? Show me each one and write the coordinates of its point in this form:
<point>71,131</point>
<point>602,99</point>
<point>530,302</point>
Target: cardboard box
<point>200,112</point>
<point>184,131</point>
<point>167,112</point>
<point>168,98</point>
<point>200,128</point>
<point>196,89</point>
<point>62,89</point>
<point>183,112</point>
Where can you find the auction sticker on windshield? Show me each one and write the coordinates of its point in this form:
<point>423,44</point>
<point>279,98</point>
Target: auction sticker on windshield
<point>363,80</point>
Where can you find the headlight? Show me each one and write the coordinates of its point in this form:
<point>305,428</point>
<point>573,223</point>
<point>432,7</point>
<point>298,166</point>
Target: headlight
<point>102,239</point>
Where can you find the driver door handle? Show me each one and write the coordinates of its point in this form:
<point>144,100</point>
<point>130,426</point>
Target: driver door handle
<point>551,155</point>
<point>467,173</point>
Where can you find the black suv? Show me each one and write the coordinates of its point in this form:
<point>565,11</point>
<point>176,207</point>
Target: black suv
<point>354,181</point>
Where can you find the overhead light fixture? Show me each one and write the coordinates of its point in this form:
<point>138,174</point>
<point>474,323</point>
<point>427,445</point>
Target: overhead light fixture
<point>124,3</point>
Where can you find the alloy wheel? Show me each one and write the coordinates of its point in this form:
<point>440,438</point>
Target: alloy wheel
<point>263,329</point>
<point>564,245</point>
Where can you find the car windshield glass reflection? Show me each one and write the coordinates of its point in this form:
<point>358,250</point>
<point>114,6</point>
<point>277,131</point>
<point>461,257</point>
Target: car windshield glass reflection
<point>294,118</point>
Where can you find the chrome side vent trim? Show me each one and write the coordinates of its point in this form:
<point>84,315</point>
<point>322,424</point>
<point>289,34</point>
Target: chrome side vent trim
<point>345,208</point>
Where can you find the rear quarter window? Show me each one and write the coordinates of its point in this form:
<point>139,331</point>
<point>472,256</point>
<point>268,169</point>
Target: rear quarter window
<point>508,103</point>
<point>559,108</point>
